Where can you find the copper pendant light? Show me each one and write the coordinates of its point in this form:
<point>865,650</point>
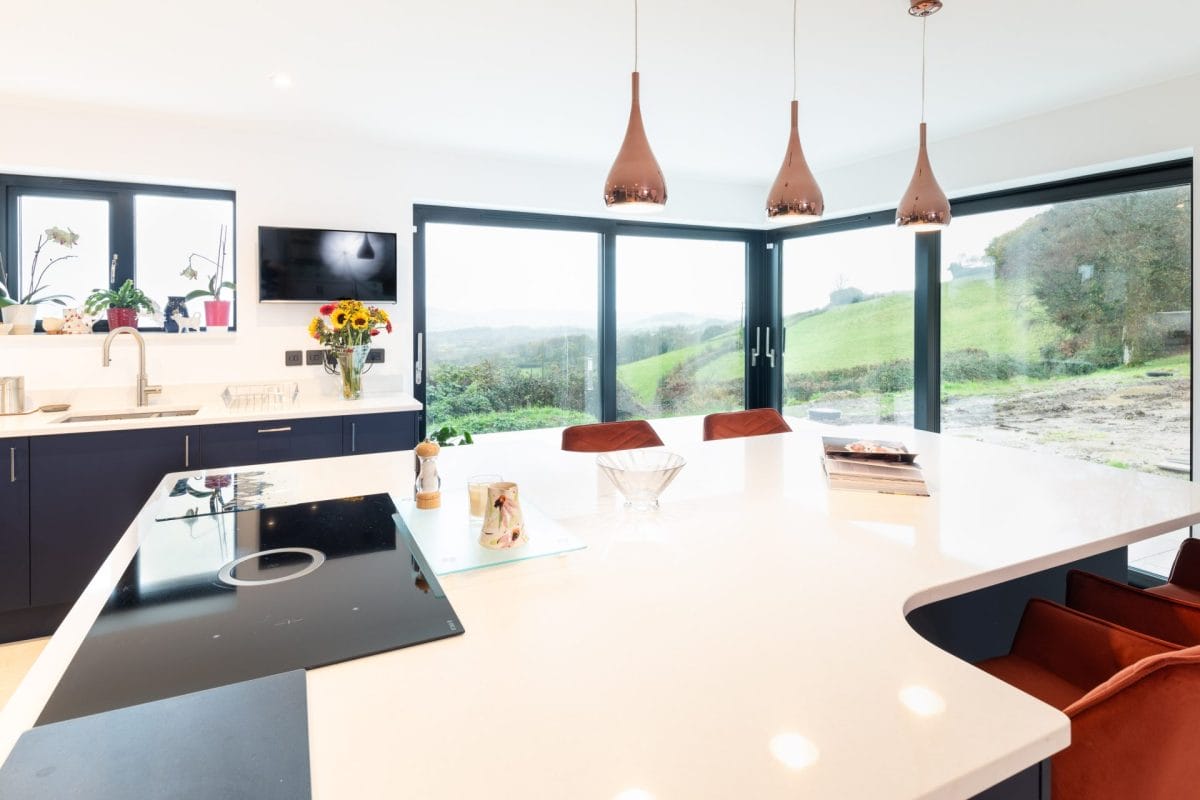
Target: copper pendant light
<point>924,206</point>
<point>635,183</point>
<point>795,192</point>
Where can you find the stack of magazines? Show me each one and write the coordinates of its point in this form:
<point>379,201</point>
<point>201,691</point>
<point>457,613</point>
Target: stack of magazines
<point>864,465</point>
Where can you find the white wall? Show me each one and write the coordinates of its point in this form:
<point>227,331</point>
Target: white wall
<point>283,177</point>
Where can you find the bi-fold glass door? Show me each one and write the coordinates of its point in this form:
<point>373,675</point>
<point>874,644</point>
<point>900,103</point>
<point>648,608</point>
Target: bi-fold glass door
<point>525,322</point>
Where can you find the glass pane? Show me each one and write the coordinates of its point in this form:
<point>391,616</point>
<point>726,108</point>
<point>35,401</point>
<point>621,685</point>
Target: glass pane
<point>680,310</point>
<point>1066,329</point>
<point>848,312</point>
<point>169,229</point>
<point>510,327</point>
<point>85,266</point>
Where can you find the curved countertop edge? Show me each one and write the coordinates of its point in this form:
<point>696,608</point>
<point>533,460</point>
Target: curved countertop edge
<point>25,706</point>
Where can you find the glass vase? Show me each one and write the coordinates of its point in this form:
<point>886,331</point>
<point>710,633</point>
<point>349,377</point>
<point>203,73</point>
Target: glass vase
<point>350,366</point>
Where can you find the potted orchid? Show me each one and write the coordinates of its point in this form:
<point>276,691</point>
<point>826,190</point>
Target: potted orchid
<point>346,329</point>
<point>216,310</point>
<point>21,311</point>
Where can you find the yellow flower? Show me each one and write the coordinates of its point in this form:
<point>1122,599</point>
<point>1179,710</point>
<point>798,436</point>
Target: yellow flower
<point>339,318</point>
<point>314,328</point>
<point>359,321</point>
<point>383,317</point>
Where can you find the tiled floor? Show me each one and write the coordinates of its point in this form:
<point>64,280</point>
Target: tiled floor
<point>1156,555</point>
<point>15,661</point>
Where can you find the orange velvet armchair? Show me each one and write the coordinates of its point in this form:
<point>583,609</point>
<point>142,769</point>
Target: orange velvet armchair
<point>605,437</point>
<point>735,424</point>
<point>1133,702</point>
<point>1184,583</point>
<point>1156,615</point>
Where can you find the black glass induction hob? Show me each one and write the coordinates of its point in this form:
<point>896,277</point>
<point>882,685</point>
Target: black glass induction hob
<point>212,600</point>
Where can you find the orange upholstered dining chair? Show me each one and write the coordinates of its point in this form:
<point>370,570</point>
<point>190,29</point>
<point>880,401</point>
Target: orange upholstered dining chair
<point>1175,621</point>
<point>1184,583</point>
<point>752,422</point>
<point>605,437</point>
<point>1133,702</point>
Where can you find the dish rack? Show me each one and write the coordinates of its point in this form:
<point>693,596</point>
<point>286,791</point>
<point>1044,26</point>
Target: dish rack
<point>260,396</point>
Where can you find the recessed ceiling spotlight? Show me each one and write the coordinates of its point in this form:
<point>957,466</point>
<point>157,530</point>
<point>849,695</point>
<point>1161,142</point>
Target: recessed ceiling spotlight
<point>281,80</point>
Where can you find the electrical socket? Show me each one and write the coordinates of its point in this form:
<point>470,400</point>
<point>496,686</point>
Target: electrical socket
<point>375,355</point>
<point>293,358</point>
<point>314,358</point>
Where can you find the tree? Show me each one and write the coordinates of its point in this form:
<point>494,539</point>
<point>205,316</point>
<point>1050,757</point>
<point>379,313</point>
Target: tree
<point>1103,267</point>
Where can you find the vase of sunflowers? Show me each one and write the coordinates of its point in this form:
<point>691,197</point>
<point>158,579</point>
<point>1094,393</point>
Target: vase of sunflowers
<point>345,329</point>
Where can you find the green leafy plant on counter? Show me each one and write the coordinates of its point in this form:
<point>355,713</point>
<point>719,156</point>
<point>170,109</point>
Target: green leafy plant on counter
<point>127,296</point>
<point>64,237</point>
<point>447,436</point>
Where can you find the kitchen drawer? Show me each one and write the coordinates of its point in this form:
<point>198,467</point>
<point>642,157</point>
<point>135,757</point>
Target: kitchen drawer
<point>14,524</point>
<point>241,443</point>
<point>379,433</point>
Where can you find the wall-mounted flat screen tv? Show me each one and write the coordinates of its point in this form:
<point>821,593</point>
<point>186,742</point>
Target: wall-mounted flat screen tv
<point>303,264</point>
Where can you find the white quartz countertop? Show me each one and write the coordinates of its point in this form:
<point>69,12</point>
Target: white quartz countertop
<point>746,640</point>
<point>315,399</point>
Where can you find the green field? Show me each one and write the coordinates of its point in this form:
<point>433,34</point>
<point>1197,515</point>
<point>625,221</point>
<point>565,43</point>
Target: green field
<point>1001,317</point>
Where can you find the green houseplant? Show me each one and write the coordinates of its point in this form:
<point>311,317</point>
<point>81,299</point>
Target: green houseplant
<point>22,310</point>
<point>123,305</point>
<point>216,310</point>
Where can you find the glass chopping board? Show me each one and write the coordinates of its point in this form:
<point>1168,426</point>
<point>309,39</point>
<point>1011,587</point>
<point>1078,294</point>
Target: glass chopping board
<point>449,538</point>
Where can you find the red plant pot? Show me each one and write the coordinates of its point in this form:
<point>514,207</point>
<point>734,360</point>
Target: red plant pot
<point>122,317</point>
<point>216,313</point>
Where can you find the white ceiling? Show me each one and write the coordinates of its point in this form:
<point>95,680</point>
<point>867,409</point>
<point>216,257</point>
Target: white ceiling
<point>549,78</point>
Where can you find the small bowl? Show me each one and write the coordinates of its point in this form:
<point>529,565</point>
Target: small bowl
<point>5,328</point>
<point>52,324</point>
<point>641,475</point>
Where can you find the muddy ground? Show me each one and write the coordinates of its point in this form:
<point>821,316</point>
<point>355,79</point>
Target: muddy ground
<point>1134,421</point>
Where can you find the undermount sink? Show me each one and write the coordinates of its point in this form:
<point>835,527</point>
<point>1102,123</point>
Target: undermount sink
<point>180,412</point>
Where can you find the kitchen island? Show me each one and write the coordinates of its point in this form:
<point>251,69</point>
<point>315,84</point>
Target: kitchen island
<point>747,640</point>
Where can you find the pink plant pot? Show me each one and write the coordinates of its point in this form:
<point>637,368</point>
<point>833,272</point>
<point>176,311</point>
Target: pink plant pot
<point>216,313</point>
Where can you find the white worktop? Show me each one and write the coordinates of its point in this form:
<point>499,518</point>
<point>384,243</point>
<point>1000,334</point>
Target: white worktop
<point>747,640</point>
<point>320,398</point>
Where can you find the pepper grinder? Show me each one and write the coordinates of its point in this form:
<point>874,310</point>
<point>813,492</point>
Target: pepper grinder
<point>429,483</point>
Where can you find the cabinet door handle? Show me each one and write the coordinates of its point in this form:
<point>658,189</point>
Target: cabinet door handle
<point>353,437</point>
<point>283,429</point>
<point>12,465</point>
<point>187,450</point>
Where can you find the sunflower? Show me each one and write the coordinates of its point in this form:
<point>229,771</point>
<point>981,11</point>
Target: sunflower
<point>359,321</point>
<point>314,328</point>
<point>339,318</point>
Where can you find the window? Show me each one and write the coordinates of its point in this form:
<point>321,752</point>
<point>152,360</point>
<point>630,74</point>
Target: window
<point>680,326</point>
<point>847,304</point>
<point>1066,328</point>
<point>511,319</point>
<point>124,231</point>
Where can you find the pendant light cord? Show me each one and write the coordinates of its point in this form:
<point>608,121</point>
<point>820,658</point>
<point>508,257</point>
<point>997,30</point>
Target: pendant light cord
<point>635,35</point>
<point>924,39</point>
<point>794,67</point>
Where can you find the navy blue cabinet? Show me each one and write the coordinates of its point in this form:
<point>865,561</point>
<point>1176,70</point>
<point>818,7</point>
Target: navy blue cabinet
<point>241,443</point>
<point>14,524</point>
<point>85,491</point>
<point>379,433</point>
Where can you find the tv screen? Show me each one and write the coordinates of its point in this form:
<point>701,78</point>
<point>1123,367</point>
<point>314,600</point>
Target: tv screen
<point>302,264</point>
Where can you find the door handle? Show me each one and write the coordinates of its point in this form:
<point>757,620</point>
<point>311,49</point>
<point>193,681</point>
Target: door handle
<point>770,352</point>
<point>12,465</point>
<point>754,350</point>
<point>353,437</point>
<point>283,429</point>
<point>419,367</point>
<point>187,450</point>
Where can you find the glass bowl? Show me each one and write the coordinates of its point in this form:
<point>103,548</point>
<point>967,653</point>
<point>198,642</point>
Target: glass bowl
<point>641,475</point>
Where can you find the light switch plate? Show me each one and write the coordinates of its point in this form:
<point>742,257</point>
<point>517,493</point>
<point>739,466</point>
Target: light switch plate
<point>375,355</point>
<point>314,358</point>
<point>293,358</point>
